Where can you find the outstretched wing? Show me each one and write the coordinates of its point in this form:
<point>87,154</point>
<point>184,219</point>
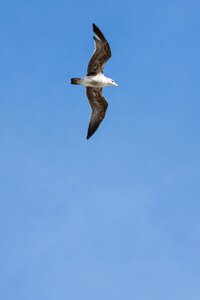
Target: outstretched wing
<point>99,107</point>
<point>101,54</point>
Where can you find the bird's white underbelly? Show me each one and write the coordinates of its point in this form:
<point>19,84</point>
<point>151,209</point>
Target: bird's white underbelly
<point>98,80</point>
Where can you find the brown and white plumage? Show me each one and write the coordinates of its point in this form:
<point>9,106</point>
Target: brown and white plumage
<point>95,80</point>
<point>101,54</point>
<point>99,106</point>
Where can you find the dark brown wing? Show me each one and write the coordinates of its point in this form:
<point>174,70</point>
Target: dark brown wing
<point>99,107</point>
<point>101,55</point>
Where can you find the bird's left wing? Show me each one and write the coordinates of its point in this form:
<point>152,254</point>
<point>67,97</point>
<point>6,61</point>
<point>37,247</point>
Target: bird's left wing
<point>99,106</point>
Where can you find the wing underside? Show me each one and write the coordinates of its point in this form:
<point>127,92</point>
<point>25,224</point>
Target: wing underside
<point>99,106</point>
<point>101,54</point>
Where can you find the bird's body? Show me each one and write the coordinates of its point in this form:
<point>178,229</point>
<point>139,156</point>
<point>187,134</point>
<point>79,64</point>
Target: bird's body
<point>96,80</point>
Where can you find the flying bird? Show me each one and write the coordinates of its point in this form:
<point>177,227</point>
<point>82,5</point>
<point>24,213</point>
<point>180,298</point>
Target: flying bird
<point>95,80</point>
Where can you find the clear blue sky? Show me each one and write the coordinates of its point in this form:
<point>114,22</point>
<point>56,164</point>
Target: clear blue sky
<point>117,216</point>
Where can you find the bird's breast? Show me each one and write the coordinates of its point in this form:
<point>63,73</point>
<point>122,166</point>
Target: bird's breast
<point>94,81</point>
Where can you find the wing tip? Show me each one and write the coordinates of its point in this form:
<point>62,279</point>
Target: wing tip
<point>91,131</point>
<point>88,135</point>
<point>98,32</point>
<point>95,28</point>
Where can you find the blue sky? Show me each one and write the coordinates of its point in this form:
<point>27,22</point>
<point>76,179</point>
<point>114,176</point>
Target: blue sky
<point>117,216</point>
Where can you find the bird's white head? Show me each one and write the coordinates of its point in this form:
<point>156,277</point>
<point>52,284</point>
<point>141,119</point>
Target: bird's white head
<point>112,82</point>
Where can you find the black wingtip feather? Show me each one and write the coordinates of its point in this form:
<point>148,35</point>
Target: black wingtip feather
<point>88,136</point>
<point>91,130</point>
<point>98,32</point>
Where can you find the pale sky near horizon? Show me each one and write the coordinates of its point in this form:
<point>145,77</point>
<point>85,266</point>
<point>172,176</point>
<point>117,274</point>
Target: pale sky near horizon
<point>117,216</point>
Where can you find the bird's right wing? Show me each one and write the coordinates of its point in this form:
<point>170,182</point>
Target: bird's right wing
<point>101,55</point>
<point>99,106</point>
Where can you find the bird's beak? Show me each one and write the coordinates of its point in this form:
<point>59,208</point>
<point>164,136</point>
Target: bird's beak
<point>116,84</point>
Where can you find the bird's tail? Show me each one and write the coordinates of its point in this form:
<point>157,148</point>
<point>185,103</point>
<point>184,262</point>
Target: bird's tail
<point>75,80</point>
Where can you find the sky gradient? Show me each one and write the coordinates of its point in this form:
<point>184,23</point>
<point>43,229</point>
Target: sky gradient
<point>116,216</point>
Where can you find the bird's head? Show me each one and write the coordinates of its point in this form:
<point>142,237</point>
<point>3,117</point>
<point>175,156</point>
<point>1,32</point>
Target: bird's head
<point>112,82</point>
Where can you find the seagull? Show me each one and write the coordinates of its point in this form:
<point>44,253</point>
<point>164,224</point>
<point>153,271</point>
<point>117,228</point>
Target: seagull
<point>96,80</point>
